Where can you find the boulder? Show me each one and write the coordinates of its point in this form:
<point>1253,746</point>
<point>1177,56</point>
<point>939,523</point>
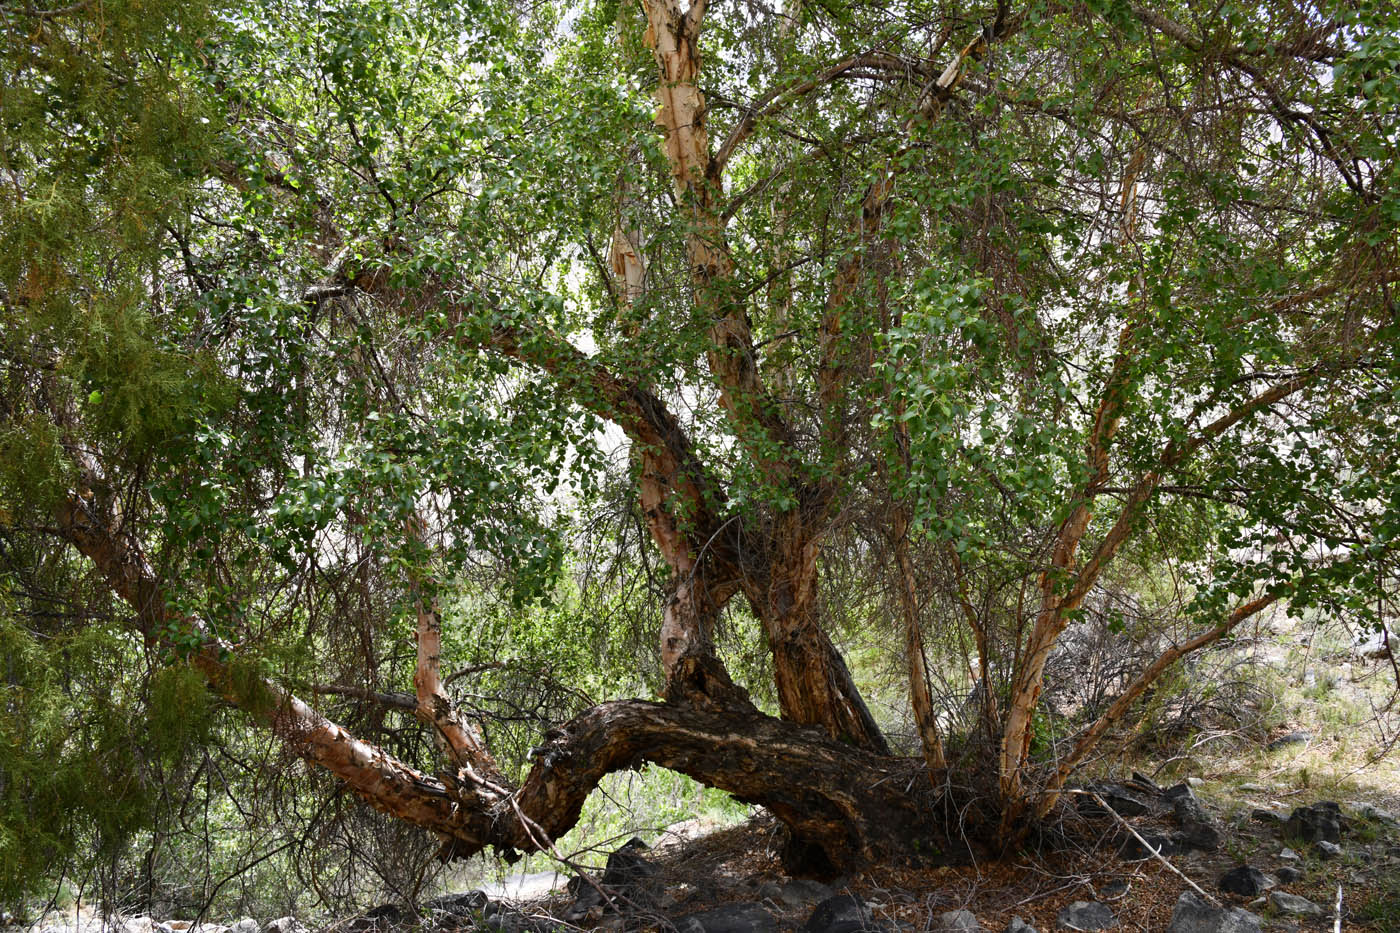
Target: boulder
<point>798,892</point>
<point>1193,914</point>
<point>1133,850</point>
<point>1320,822</point>
<point>1288,874</point>
<point>284,925</point>
<point>1086,915</point>
<point>844,913</point>
<point>1197,828</point>
<point>1370,812</point>
<point>246,925</point>
<point>458,905</point>
<point>1017,925</point>
<point>957,921</point>
<point>1245,881</point>
<point>1125,801</point>
<point>729,918</point>
<point>1293,905</point>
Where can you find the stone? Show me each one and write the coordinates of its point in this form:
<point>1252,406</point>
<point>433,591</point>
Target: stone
<point>1370,812</point>
<point>1195,782</point>
<point>147,925</point>
<point>730,918</point>
<point>1193,914</point>
<point>284,925</point>
<point>844,913</point>
<point>957,921</point>
<point>1328,850</point>
<point>1288,874</point>
<point>179,926</point>
<point>1292,738</point>
<point>1086,915</point>
<point>246,925</point>
<point>1125,801</point>
<point>1254,788</point>
<point>1272,817</point>
<point>799,892</point>
<point>1293,905</point>
<point>1321,821</point>
<point>459,905</point>
<point>1133,850</point>
<point>1288,855</point>
<point>1245,881</point>
<point>1017,925</point>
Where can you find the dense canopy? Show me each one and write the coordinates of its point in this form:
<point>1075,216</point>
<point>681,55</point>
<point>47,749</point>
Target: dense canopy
<point>754,360</point>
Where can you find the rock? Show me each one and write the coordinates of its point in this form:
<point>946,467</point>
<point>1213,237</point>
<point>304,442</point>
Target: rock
<point>1369,812</point>
<point>1293,905</point>
<point>284,925</point>
<point>1288,855</point>
<point>1272,817</point>
<point>1254,788</point>
<point>799,892</point>
<point>1125,801</point>
<point>1328,850</point>
<point>1017,925</point>
<point>1288,874</point>
<point>179,926</point>
<point>1193,914</point>
<point>458,905</point>
<point>1132,850</point>
<point>1245,881</point>
<point>1086,915</point>
<point>147,925</point>
<point>1195,782</point>
<point>1321,821</point>
<point>1144,783</point>
<point>374,920</point>
<point>1292,738</point>
<point>246,925</point>
<point>957,921</point>
<point>730,918</point>
<point>844,913</point>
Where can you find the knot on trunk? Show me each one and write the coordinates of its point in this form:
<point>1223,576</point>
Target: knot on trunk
<point>699,681</point>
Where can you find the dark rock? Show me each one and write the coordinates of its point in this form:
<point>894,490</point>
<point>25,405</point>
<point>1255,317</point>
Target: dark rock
<point>1203,836</point>
<point>1245,881</point>
<point>375,920</point>
<point>844,913</point>
<point>1293,905</point>
<point>1086,915</point>
<point>1193,914</point>
<point>1292,738</point>
<point>1328,850</point>
<point>1288,874</point>
<point>1133,850</point>
<point>1272,817</point>
<point>1125,801</point>
<point>1177,790</point>
<point>730,918</point>
<point>1145,784</point>
<point>459,905</point>
<point>799,892</point>
<point>1197,828</point>
<point>957,921</point>
<point>1017,925</point>
<point>1321,821</point>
